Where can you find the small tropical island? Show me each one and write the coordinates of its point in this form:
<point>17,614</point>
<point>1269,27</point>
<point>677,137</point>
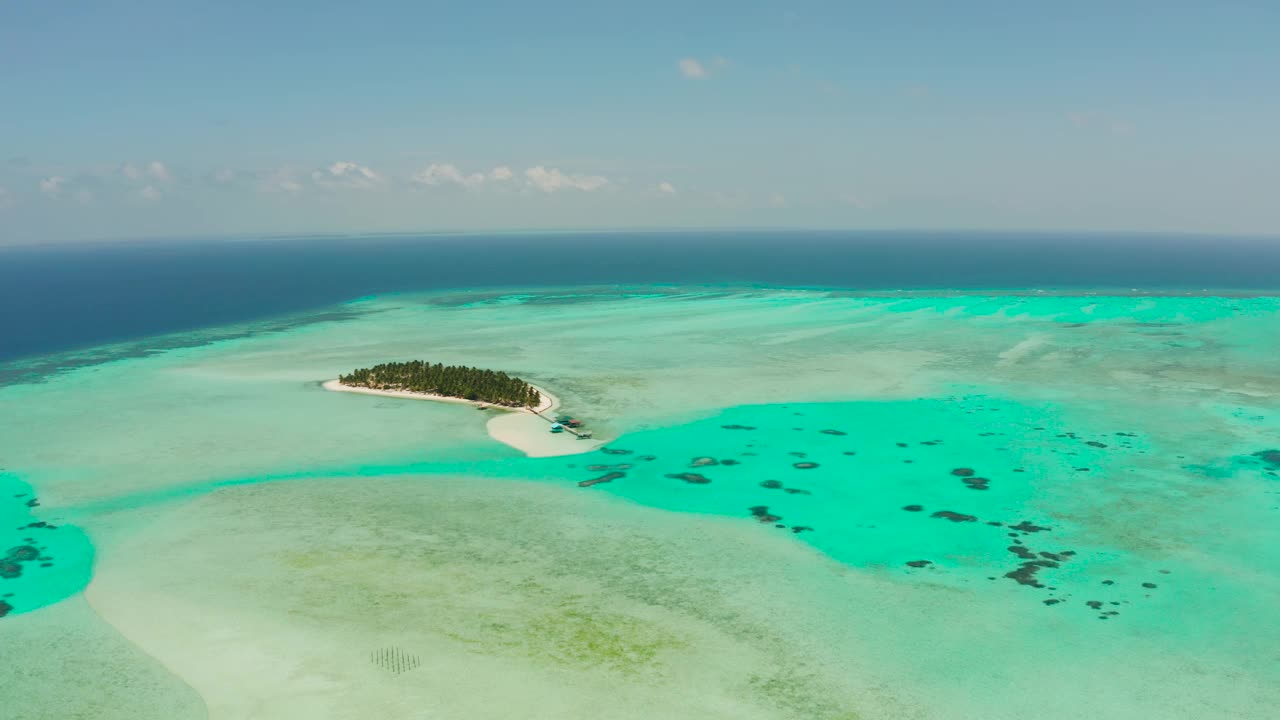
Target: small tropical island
<point>526,422</point>
<point>447,381</point>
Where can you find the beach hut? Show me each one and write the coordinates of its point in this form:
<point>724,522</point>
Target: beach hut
<point>557,427</point>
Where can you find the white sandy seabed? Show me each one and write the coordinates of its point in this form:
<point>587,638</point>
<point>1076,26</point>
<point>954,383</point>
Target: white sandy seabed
<point>525,429</point>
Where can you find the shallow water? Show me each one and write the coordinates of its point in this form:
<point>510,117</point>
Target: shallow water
<point>1123,554</point>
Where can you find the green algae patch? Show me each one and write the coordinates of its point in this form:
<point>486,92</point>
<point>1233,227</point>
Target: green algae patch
<point>580,636</point>
<point>800,694</point>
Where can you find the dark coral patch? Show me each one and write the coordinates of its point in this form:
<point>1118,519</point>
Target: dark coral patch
<point>607,477</point>
<point>729,462</point>
<point>954,516</point>
<point>976,483</point>
<point>833,432</point>
<point>805,465</point>
<point>737,427</point>
<point>691,478</point>
<point>913,508</point>
<point>615,451</point>
<point>703,462</point>
<point>22,553</point>
<point>1022,552</point>
<point>1270,457</point>
<point>919,563</point>
<point>5,608</point>
<point>761,513</point>
<point>1026,575</point>
<point>1095,443</point>
<point>1149,585</point>
<point>801,528</point>
<point>771,484</point>
<point>796,491</point>
<point>1028,527</point>
<point>9,569</point>
<point>850,452</point>
<point>620,466</point>
<point>962,472</point>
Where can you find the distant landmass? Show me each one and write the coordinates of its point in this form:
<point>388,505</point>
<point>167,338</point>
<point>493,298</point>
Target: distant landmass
<point>455,381</point>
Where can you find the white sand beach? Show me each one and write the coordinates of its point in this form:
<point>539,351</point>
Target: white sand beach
<point>525,429</point>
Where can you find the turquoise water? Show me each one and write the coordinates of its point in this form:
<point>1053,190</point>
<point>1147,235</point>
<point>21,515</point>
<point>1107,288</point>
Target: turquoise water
<point>1005,472</point>
<point>40,562</point>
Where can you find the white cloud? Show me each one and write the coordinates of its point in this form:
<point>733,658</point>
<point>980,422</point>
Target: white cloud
<point>344,175</point>
<point>437,174</point>
<point>696,69</point>
<point>666,187</point>
<point>281,180</point>
<point>547,180</point>
<point>224,176</point>
<point>157,170</point>
<point>691,68</point>
<point>150,193</point>
<point>778,200</point>
<point>52,185</point>
<point>552,180</point>
<point>78,187</point>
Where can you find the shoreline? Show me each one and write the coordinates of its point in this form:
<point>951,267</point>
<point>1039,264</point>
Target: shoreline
<point>549,402</point>
<point>523,428</point>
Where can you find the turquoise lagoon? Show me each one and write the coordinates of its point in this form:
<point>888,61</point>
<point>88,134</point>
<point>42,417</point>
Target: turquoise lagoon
<point>813,504</point>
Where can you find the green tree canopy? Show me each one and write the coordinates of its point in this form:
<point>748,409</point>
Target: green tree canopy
<point>460,381</point>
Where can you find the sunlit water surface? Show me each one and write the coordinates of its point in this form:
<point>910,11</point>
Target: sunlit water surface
<point>813,504</point>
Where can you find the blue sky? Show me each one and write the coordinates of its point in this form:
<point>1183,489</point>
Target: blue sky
<point>150,118</point>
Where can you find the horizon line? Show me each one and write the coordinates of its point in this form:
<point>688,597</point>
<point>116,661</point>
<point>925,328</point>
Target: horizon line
<point>657,230</point>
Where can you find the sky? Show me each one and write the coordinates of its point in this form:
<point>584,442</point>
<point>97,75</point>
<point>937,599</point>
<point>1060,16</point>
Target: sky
<point>169,118</point>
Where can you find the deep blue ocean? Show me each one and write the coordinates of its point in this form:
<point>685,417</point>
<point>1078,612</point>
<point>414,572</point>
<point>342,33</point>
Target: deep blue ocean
<point>64,297</point>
